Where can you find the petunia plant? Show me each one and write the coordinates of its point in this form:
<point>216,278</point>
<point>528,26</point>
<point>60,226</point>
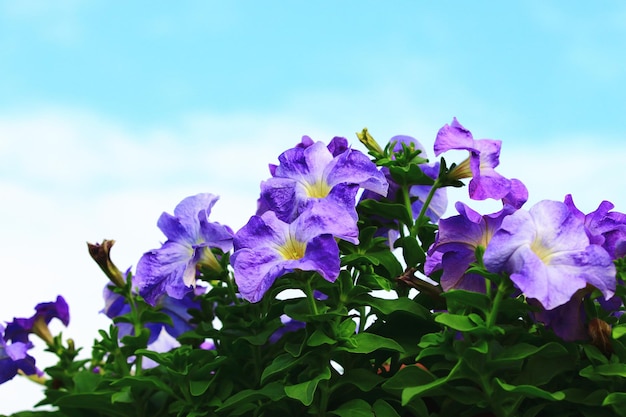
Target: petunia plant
<point>351,292</point>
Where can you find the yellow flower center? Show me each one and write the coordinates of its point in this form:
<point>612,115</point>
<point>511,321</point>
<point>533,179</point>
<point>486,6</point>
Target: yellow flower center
<point>462,170</point>
<point>292,249</point>
<point>318,189</point>
<point>544,253</point>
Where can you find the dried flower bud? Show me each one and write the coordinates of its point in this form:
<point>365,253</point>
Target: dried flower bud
<point>600,334</point>
<point>101,253</point>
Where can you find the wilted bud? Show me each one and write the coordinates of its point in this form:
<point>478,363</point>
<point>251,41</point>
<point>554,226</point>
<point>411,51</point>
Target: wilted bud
<point>101,254</point>
<point>369,142</point>
<point>600,334</point>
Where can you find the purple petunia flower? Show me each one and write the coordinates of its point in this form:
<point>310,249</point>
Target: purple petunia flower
<point>177,310</point>
<point>267,247</point>
<point>459,236</point>
<point>19,329</point>
<point>484,157</point>
<point>604,227</point>
<point>308,173</point>
<point>455,247</point>
<point>190,236</point>
<point>14,358</point>
<point>548,255</point>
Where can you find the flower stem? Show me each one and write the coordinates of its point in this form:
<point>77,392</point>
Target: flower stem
<point>309,296</point>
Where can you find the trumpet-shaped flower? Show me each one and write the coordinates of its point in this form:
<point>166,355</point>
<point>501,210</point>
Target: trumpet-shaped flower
<point>548,255</point>
<point>267,247</point>
<point>19,329</point>
<point>308,173</point>
<point>459,237</point>
<point>604,227</point>
<point>455,247</point>
<point>190,236</point>
<point>115,305</point>
<point>14,358</point>
<point>484,157</point>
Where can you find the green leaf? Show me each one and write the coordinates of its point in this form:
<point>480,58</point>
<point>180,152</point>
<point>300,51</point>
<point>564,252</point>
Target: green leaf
<point>319,338</point>
<point>619,331</point>
<point>411,250</point>
<point>368,342</point>
<point>456,322</point>
<point>522,351</point>
<point>383,409</point>
<point>530,391</point>
<point>273,391</point>
<point>387,210</point>
<point>363,379</point>
<point>409,393</point>
<point>143,382</point>
<point>387,306</point>
<point>279,364</point>
<point>197,388</point>
<point>461,299</point>
<point>354,408</point>
<point>305,391</point>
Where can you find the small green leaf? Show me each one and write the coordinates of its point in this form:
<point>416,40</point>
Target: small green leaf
<point>354,408</point>
<point>305,391</point>
<point>279,364</point>
<point>383,409</point>
<point>197,388</point>
<point>530,391</point>
<point>456,322</point>
<point>368,342</point>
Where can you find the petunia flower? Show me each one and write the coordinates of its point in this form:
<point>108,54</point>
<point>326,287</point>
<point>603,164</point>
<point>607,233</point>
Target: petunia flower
<point>484,157</point>
<point>459,236</point>
<point>548,255</point>
<point>267,247</point>
<point>14,358</point>
<point>311,173</point>
<point>190,236</point>
<point>604,227</point>
<point>19,329</point>
<point>455,247</point>
<point>177,310</point>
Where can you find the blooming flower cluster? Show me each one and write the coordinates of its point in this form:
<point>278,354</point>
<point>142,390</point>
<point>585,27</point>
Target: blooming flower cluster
<point>307,204</point>
<point>517,312</point>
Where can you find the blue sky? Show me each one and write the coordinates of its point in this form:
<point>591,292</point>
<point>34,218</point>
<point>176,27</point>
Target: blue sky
<point>111,114</point>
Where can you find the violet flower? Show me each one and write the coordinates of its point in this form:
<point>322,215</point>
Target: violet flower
<point>311,173</point>
<point>14,358</point>
<point>484,157</point>
<point>548,255</point>
<point>459,236</point>
<point>190,236</point>
<point>19,329</point>
<point>267,247</point>
<point>603,227</point>
<point>177,310</point>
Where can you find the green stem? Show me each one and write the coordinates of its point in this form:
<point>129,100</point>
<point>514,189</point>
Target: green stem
<point>495,306</point>
<point>309,296</point>
<point>231,289</point>
<point>429,198</point>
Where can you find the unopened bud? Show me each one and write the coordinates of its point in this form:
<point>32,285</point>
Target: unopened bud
<point>369,142</point>
<point>101,253</point>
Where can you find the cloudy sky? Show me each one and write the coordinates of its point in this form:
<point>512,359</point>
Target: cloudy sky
<point>110,115</point>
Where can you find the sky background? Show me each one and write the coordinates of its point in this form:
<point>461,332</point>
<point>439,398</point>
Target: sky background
<point>110,115</point>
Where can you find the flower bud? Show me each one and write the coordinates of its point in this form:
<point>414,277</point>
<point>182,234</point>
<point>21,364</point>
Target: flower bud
<point>370,143</point>
<point>101,254</point>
